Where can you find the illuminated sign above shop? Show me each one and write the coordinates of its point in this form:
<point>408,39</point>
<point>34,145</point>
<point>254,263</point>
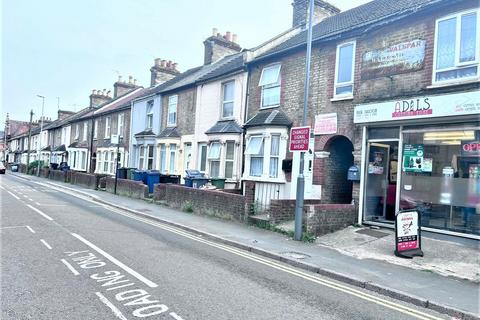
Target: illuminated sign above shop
<point>465,103</point>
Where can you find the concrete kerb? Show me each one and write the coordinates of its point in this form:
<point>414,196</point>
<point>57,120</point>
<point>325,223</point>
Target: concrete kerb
<point>402,296</point>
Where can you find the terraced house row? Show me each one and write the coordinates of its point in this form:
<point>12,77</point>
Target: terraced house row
<point>394,109</point>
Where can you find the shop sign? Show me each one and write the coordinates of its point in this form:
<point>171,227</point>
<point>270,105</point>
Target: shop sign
<point>299,139</point>
<point>398,58</point>
<point>325,123</point>
<point>471,148</point>
<point>407,234</point>
<point>464,103</point>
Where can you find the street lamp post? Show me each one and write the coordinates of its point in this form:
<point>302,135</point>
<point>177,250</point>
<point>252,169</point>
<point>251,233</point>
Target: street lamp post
<point>41,133</point>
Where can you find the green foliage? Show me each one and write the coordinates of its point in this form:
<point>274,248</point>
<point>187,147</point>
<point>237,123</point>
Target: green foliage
<point>187,207</point>
<point>34,164</point>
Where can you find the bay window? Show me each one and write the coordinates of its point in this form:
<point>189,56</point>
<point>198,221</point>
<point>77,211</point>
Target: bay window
<point>344,69</point>
<point>255,150</point>
<point>105,161</point>
<point>141,157</point>
<point>150,157</point>
<point>270,83</point>
<point>173,149</point>
<point>228,98</point>
<point>457,47</point>
<point>274,154</point>
<point>214,159</point>
<point>202,156</point>
<point>229,159</point>
<point>163,158</point>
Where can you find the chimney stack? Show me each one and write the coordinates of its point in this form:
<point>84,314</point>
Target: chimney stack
<point>218,46</point>
<point>121,87</point>
<point>162,71</point>
<point>98,97</point>
<point>321,10</point>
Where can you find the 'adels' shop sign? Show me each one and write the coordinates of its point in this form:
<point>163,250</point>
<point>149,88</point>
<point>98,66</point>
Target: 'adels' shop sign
<point>465,103</point>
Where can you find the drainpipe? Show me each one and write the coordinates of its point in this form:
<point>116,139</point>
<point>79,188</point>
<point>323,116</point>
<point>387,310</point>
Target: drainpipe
<point>90,170</point>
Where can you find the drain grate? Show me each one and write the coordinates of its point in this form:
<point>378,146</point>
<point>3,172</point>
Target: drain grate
<point>295,255</point>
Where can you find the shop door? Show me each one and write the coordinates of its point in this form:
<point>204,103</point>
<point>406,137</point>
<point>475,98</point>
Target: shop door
<point>376,190</point>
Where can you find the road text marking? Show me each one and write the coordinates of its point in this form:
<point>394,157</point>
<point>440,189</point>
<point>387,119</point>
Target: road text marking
<point>46,244</point>
<point>149,283</point>
<point>40,212</point>
<point>70,267</point>
<point>114,309</point>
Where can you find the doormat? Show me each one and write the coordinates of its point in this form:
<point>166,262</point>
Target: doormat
<point>372,233</point>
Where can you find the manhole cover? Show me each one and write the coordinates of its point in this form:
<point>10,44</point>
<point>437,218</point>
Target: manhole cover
<point>295,255</point>
<point>372,233</point>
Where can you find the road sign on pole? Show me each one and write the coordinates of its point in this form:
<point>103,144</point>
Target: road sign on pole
<point>299,139</point>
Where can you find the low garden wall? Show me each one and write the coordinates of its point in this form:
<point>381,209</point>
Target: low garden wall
<point>216,203</point>
<point>57,175</point>
<point>129,188</point>
<point>284,210</point>
<point>86,180</point>
<point>321,219</point>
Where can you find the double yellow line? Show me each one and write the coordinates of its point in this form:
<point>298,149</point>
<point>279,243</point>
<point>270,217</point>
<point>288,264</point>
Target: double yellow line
<point>336,286</point>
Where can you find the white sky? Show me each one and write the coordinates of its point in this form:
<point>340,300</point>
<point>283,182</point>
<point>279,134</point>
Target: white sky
<point>60,48</point>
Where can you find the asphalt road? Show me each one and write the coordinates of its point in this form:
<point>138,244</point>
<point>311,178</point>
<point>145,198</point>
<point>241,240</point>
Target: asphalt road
<point>68,258</point>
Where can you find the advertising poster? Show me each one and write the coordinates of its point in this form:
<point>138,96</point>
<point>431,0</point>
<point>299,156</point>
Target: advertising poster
<point>407,230</point>
<point>413,158</point>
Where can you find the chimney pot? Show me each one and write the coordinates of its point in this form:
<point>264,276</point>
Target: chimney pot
<point>130,79</point>
<point>218,34</point>
<point>174,66</point>
<point>104,91</point>
<point>108,93</point>
<point>157,61</point>
<point>234,38</point>
<point>214,32</point>
<point>119,78</point>
<point>228,36</point>
<point>135,81</point>
<point>163,63</point>
<point>94,91</point>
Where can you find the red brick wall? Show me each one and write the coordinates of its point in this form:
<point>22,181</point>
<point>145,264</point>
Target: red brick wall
<point>129,188</point>
<point>325,218</point>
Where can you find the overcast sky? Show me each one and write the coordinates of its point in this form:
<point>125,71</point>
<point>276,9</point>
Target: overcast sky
<point>64,49</point>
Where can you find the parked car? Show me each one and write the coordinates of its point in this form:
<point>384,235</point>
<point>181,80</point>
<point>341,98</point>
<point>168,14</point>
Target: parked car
<point>2,168</point>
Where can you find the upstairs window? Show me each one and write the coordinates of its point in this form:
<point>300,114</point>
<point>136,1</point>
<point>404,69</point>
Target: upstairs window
<point>172,110</point>
<point>77,131</point>
<point>457,47</point>
<point>120,124</point>
<point>228,97</point>
<point>149,114</point>
<point>344,68</point>
<point>270,83</point>
<point>107,127</point>
<point>85,131</point>
<point>95,129</point>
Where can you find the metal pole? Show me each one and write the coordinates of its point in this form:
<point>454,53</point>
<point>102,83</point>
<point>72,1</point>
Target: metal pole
<point>29,139</point>
<point>116,167</point>
<point>301,179</point>
<point>41,133</point>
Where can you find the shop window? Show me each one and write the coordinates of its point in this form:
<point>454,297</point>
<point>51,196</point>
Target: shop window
<point>214,159</point>
<point>228,99</point>
<point>255,150</point>
<point>441,178</point>
<point>344,69</point>
<point>172,110</point>
<point>270,83</point>
<point>456,47</point>
<point>229,159</point>
<point>384,133</point>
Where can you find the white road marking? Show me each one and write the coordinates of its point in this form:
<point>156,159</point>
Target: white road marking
<point>137,275</point>
<point>12,227</point>
<point>13,195</point>
<point>175,316</point>
<point>112,307</point>
<point>70,267</point>
<point>40,212</point>
<point>30,229</point>
<point>38,204</point>
<point>30,199</point>
<point>24,195</point>
<point>46,244</point>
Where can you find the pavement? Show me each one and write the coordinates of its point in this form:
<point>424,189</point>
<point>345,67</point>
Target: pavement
<point>451,295</point>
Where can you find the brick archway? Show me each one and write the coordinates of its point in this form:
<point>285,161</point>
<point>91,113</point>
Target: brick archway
<point>336,187</point>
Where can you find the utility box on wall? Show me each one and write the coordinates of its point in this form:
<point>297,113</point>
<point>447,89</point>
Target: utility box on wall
<point>353,173</point>
<point>287,165</point>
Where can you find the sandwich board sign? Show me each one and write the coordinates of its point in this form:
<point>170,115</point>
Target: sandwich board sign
<point>408,242</point>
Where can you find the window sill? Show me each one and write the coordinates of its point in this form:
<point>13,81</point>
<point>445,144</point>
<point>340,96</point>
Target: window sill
<point>264,179</point>
<point>452,83</point>
<point>269,107</point>
<point>340,98</point>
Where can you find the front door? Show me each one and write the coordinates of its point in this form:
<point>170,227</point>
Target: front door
<point>377,193</point>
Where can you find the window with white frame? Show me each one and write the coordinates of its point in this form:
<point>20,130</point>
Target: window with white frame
<point>111,166</point>
<point>120,124</point>
<point>229,159</point>
<point>149,120</point>
<point>202,156</point>
<point>77,131</point>
<point>150,157</point>
<point>255,151</point>
<point>172,110</point>
<point>141,155</point>
<point>228,99</point>
<point>274,155</point>
<point>173,149</point>
<point>85,130</point>
<point>270,83</point>
<point>107,127</point>
<point>105,161</point>
<point>95,129</point>
<point>99,161</point>
<point>83,161</point>
<point>344,69</point>
<point>214,159</point>
<point>457,43</point>
<point>163,158</point>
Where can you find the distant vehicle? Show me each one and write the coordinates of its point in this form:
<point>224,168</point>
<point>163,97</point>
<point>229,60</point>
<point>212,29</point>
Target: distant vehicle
<point>2,168</point>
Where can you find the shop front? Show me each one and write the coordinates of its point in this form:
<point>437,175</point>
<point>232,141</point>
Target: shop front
<point>422,153</point>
